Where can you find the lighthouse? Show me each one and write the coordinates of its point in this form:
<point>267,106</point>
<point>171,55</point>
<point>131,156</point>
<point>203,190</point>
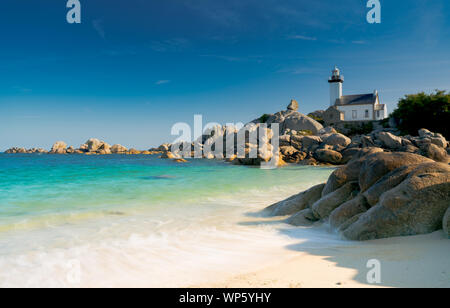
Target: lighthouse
<point>336,82</point>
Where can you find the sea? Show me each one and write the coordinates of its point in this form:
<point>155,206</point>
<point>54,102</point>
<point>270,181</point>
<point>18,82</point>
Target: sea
<point>142,221</point>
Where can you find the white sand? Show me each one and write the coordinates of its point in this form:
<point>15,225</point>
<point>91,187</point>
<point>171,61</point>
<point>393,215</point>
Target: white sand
<point>419,261</point>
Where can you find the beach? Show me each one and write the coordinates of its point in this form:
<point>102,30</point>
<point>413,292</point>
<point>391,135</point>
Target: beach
<point>412,262</point>
<point>118,221</point>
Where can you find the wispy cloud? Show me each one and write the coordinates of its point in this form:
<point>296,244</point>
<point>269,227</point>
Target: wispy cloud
<point>98,27</point>
<point>171,45</point>
<point>359,42</point>
<point>302,37</point>
<point>161,82</point>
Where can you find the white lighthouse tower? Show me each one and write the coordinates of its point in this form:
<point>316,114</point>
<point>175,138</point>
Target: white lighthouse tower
<point>336,82</point>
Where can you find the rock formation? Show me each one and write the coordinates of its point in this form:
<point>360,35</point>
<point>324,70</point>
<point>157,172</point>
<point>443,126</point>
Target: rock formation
<point>377,195</point>
<point>118,149</point>
<point>58,148</point>
<point>293,105</point>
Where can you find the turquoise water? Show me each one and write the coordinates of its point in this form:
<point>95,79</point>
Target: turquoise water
<point>139,213</point>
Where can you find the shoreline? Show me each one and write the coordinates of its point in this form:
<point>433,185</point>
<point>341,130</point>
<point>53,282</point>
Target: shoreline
<point>417,261</point>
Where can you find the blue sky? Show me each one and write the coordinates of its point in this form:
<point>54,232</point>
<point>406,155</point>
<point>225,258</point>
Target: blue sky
<point>133,68</point>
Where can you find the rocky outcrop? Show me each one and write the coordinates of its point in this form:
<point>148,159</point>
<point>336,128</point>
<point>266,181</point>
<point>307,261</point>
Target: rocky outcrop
<point>294,120</point>
<point>416,206</point>
<point>324,206</point>
<point>118,149</point>
<point>297,203</point>
<point>345,174</point>
<point>292,155</point>
<point>375,166</point>
<point>133,152</point>
<point>16,150</point>
<point>379,195</point>
<point>435,152</point>
<point>97,146</point>
<point>356,153</point>
<point>390,141</point>
<point>59,148</point>
<point>293,105</point>
<point>386,183</point>
<point>328,156</point>
<point>336,140</point>
<point>302,219</point>
<point>345,212</point>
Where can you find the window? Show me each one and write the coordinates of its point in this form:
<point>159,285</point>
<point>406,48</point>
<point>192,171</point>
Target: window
<point>354,114</point>
<point>378,113</point>
<point>367,114</point>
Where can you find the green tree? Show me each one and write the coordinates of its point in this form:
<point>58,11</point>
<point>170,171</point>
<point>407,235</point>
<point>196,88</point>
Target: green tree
<point>430,111</point>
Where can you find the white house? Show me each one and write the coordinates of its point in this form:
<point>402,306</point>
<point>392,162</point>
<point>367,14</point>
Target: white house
<point>360,107</point>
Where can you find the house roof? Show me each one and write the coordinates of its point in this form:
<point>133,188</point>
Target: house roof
<point>359,99</point>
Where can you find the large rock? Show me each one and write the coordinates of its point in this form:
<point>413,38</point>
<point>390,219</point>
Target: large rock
<point>302,219</point>
<point>336,140</point>
<point>345,174</point>
<point>446,223</point>
<point>93,144</point>
<point>416,206</point>
<point>424,133</point>
<point>435,152</point>
<point>309,143</point>
<point>429,137</point>
<point>348,210</point>
<point>369,169</point>
<point>328,156</point>
<point>59,148</point>
<point>356,153</point>
<point>104,149</point>
<point>298,202</point>
<point>293,105</point>
<point>377,165</point>
<point>118,149</point>
<point>440,142</point>
<point>294,120</point>
<point>390,141</point>
<point>323,207</point>
<point>291,154</point>
<point>386,183</point>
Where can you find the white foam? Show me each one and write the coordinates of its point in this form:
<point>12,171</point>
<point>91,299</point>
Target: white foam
<point>169,247</point>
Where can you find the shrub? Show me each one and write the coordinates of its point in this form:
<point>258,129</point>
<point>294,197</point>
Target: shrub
<point>264,118</point>
<point>430,111</point>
